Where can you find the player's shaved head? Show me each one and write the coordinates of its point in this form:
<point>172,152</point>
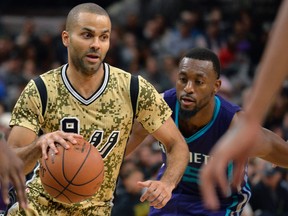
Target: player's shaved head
<point>86,8</point>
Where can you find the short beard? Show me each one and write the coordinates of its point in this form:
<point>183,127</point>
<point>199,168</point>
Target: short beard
<point>186,114</point>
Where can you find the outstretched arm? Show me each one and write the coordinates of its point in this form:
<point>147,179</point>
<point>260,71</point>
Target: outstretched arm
<point>11,171</point>
<point>238,143</point>
<point>158,193</point>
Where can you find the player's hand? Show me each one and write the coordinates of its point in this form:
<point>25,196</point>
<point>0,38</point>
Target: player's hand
<point>214,175</point>
<point>157,193</point>
<point>11,171</point>
<point>236,145</point>
<point>48,140</point>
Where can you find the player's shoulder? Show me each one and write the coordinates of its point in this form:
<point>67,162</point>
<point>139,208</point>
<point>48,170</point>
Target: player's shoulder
<point>170,92</point>
<point>52,73</point>
<point>226,101</point>
<point>170,97</point>
<point>228,105</point>
<point>52,78</point>
<point>123,76</point>
<point>56,70</point>
<point>117,71</point>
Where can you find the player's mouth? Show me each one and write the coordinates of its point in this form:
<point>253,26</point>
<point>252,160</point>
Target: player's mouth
<point>186,101</point>
<point>94,58</point>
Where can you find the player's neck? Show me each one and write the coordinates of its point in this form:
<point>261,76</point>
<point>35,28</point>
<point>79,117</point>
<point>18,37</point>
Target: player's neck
<point>189,126</point>
<point>85,85</point>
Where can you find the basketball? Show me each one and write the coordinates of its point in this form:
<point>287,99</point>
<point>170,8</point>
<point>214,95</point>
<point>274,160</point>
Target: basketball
<point>72,175</point>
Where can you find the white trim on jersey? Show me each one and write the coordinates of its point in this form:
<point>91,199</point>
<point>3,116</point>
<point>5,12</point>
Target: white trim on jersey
<point>76,94</point>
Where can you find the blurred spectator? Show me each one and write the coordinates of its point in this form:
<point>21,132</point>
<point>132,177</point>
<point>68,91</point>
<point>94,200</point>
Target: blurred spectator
<point>129,51</point>
<point>270,195</point>
<point>60,51</point>
<point>149,159</point>
<point>153,74</point>
<point>11,73</point>
<point>277,112</point>
<point>127,199</point>
<point>155,34</point>
<point>182,38</point>
<point>227,56</point>
<point>256,168</point>
<point>45,52</point>
<point>6,47</point>
<point>215,37</point>
<point>4,120</point>
<point>27,35</point>
<point>170,66</point>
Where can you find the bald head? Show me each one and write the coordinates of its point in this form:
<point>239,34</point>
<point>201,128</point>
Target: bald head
<point>86,8</point>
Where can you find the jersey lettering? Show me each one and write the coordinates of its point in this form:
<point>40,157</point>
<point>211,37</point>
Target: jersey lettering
<point>96,138</point>
<point>112,140</point>
<point>70,125</point>
<point>110,144</point>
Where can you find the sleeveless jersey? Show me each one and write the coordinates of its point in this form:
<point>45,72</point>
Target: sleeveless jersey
<point>200,144</point>
<point>105,120</point>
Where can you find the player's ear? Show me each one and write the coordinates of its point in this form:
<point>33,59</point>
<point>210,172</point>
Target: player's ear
<point>65,38</point>
<point>217,85</point>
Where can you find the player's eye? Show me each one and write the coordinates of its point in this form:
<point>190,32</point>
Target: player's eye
<point>87,35</point>
<point>199,82</point>
<point>104,37</point>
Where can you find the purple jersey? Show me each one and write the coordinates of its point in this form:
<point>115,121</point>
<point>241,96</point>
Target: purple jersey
<point>186,199</point>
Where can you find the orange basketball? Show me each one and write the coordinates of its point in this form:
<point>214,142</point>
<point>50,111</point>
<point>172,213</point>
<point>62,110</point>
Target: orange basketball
<point>72,175</point>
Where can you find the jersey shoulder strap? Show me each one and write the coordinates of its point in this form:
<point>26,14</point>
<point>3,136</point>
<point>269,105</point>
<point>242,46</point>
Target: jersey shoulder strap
<point>134,91</point>
<point>42,91</point>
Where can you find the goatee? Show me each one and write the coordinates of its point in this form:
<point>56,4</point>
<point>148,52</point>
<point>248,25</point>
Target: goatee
<point>184,114</point>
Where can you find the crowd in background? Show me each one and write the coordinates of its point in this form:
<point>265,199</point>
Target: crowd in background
<point>150,42</point>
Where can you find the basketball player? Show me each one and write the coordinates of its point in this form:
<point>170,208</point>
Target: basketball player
<point>11,171</point>
<point>272,72</point>
<point>203,117</point>
<point>89,98</point>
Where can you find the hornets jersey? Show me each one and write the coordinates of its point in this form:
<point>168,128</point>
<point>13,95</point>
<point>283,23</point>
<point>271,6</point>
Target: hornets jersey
<point>186,199</point>
<point>105,120</point>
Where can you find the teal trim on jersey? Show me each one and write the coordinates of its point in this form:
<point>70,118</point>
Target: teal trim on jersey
<point>230,171</point>
<point>247,185</point>
<point>191,171</point>
<point>191,180</point>
<point>204,129</point>
<point>191,174</point>
<point>234,203</point>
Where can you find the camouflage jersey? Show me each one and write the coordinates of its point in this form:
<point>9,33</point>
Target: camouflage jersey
<point>105,120</point>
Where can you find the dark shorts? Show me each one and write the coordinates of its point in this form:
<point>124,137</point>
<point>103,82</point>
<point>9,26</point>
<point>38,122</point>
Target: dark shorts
<point>186,205</point>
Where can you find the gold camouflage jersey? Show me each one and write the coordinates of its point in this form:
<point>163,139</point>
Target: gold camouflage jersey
<point>105,120</point>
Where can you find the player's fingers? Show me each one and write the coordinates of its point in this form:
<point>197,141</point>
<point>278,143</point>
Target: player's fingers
<point>44,152</point>
<point>238,173</point>
<point>19,185</point>
<point>144,184</point>
<point>71,137</point>
<point>208,190</point>
<point>221,180</point>
<point>213,175</point>
<point>4,180</point>
<point>153,196</point>
<point>45,142</point>
<point>148,189</point>
<point>160,201</point>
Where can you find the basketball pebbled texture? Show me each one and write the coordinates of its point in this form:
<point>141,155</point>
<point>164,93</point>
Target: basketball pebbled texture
<point>72,175</point>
